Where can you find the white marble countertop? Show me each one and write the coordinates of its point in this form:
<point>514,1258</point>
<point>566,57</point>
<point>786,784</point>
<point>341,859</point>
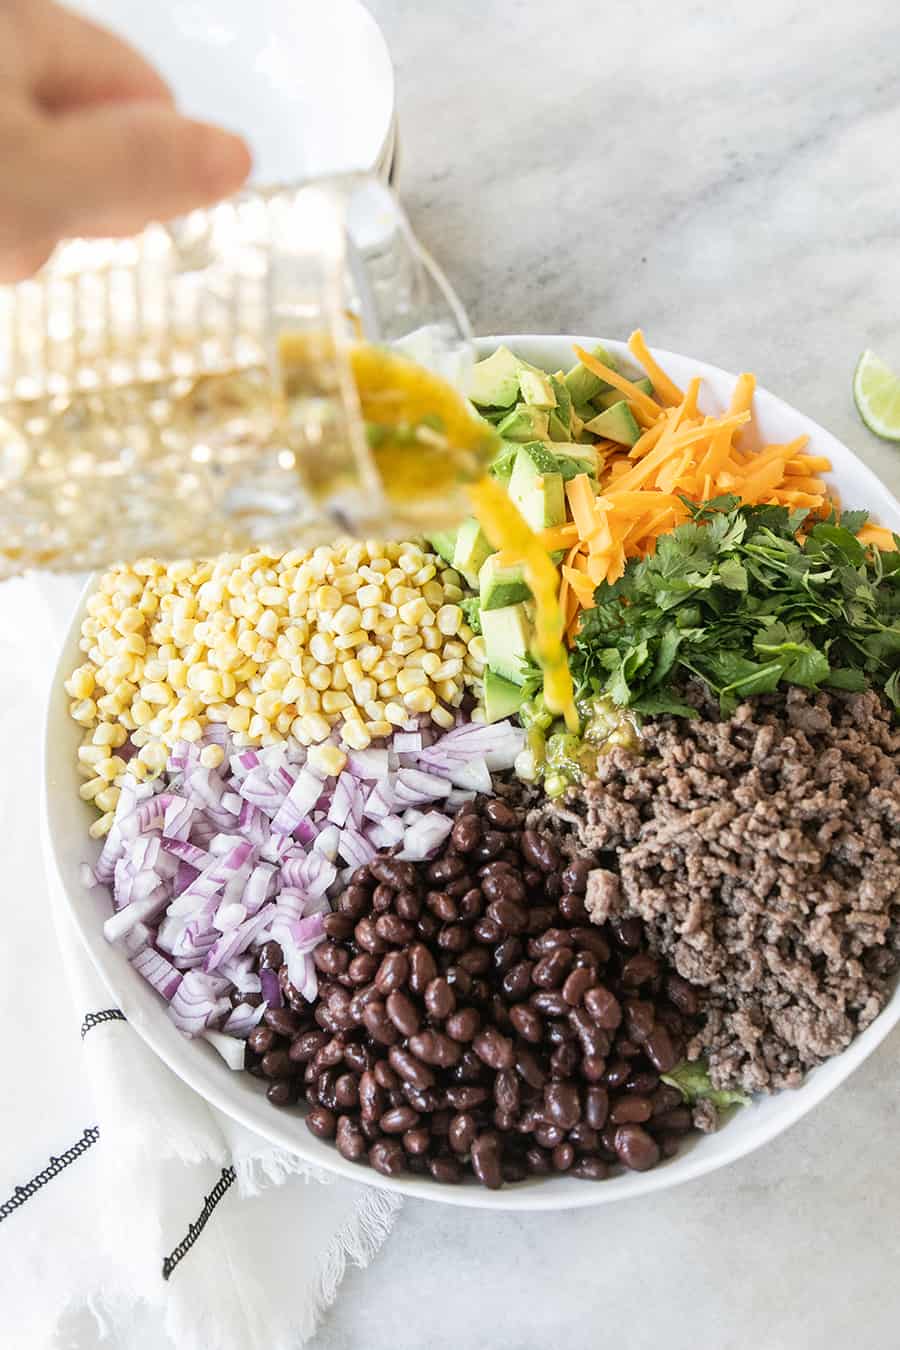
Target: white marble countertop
<point>724,177</point>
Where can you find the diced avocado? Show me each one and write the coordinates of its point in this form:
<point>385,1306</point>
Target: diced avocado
<point>525,423</point>
<point>558,430</point>
<point>563,412</point>
<point>507,639</point>
<point>499,586</point>
<point>536,487</point>
<point>494,382</point>
<point>444,544</point>
<point>582,384</point>
<point>607,398</point>
<point>493,415</point>
<point>536,387</point>
<point>471,550</point>
<point>616,424</point>
<point>576,459</point>
<point>502,698</point>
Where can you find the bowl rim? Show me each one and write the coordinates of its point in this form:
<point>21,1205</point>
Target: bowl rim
<point>200,1068</point>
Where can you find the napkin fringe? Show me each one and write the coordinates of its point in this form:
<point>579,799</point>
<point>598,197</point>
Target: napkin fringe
<point>358,1242</point>
<point>255,1172</point>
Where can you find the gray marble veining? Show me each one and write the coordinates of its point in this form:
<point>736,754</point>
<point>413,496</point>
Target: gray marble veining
<point>725,177</point>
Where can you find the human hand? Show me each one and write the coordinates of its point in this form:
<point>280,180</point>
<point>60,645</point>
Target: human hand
<point>90,141</point>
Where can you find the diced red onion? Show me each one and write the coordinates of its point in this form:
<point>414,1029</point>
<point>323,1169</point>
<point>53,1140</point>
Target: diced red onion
<point>299,801</point>
<point>243,1019</point>
<point>194,1003</point>
<point>157,971</point>
<point>232,1049</point>
<point>371,764</point>
<point>425,836</point>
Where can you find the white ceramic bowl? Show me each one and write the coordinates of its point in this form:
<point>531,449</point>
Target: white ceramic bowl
<point>310,86</point>
<point>242,1096</point>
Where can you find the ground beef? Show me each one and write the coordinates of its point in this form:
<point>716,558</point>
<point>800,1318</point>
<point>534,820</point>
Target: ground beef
<point>763,855</point>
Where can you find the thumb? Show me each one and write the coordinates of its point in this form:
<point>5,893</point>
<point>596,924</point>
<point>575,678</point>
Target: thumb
<point>111,169</point>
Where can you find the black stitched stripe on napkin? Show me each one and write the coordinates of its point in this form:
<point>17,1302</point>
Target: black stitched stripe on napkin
<point>53,1169</point>
<point>96,1019</point>
<point>209,1203</point>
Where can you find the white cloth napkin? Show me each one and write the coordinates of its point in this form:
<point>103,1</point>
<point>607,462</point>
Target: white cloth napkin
<point>123,1195</point>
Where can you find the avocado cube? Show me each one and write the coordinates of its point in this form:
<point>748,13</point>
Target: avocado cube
<point>499,586</point>
<point>444,544</point>
<point>507,638</point>
<point>607,398</point>
<point>563,398</point>
<point>582,384</point>
<point>616,424</point>
<point>502,698</point>
<point>536,487</point>
<point>535,387</point>
<point>557,429</point>
<point>471,550</point>
<point>494,382</point>
<point>524,423</point>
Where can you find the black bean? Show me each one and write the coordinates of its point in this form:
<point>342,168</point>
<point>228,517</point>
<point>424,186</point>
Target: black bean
<point>410,1069</point>
<point>603,1007</point>
<point>563,1157</point>
<point>628,933</point>
<point>445,1169</point>
<point>416,1142</point>
<point>683,995</point>
<point>443,906</point>
<point>549,1002</point>
<point>382,898</point>
<point>487,930</point>
<point>548,1136</point>
<point>571,907</point>
<point>495,1049</point>
<point>399,1119</point>
<point>371,1096</point>
<point>477,961</point>
<point>362,969</point>
<point>677,1120</point>
<point>422,968</point>
<point>387,1156</point>
<point>433,1047</point>
<point>541,852</point>
<point>551,970</point>
<point>392,973</point>
<point>403,1013</point>
<point>665,1098</point>
<point>440,1000</point>
<point>593,1068</point>
<point>511,916</point>
<point>491,844</point>
<point>354,902</point>
<point>277,1064</point>
<point>385,1076</point>
<point>378,1024</point>
<point>644,1081</point>
<point>282,1092</point>
<point>516,983</point>
<point>636,1148</point>
<point>537,1160</point>
<point>466,1096</point>
<point>527,1023</point>
<point>507,1093</point>
<point>262,1039</point>
<point>584,1137</point>
<point>463,1025</point>
<point>630,1110</point>
<point>304,1046</point>
<point>540,917</point>
<point>282,1021</point>
<point>408,905</point>
<point>577,984</point>
<point>529,1067</point>
<point>591,1167</point>
<point>564,1060</point>
<point>486,1160</point>
<point>349,1139</point>
<point>321,1122</point>
<point>338,926</point>
<point>400,875</point>
<point>550,940</point>
<point>368,938</point>
<point>660,1050</point>
<point>639,969</point>
<point>271,957</point>
<point>462,1132</point>
<point>574,878</point>
<point>466,832</point>
<point>617,1073</point>
<point>561,1105</point>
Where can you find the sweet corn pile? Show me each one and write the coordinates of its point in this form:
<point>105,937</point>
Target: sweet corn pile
<point>339,645</point>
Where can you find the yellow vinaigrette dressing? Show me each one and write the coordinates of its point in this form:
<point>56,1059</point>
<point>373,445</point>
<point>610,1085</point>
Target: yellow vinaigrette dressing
<point>428,448</point>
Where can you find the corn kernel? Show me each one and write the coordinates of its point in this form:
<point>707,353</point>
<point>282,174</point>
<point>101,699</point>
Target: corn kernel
<point>430,662</point>
<point>333,700</point>
<point>410,679</point>
<point>396,714</point>
<point>403,646</point>
<point>441,717</point>
<point>449,618</point>
<point>108,799</point>
<point>328,598</point>
<point>355,735</point>
<point>238,719</point>
<point>84,711</point>
<point>322,648</point>
<point>433,639</point>
<point>326,759</point>
<point>269,705</point>
<point>320,678</point>
<point>316,727</point>
<point>80,683</point>
<point>433,593</point>
<point>378,729</point>
<point>339,680</point>
<point>387,689</point>
<point>88,791</point>
<point>477,649</point>
<point>369,595</point>
<point>102,826</point>
<point>191,730</point>
<point>110,768</point>
<point>453,594</point>
<point>419,700</point>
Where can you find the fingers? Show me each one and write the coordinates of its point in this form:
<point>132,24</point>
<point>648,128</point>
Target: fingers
<point>110,169</point>
<point>75,62</point>
<point>21,262</point>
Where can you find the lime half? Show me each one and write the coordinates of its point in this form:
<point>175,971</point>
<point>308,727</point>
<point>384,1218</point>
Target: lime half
<point>876,393</point>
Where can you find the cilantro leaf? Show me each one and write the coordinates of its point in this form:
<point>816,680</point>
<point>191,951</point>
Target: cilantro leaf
<point>471,608</point>
<point>692,1080</point>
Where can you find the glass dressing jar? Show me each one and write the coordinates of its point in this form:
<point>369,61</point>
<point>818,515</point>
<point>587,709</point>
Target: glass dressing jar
<point>258,373</point>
